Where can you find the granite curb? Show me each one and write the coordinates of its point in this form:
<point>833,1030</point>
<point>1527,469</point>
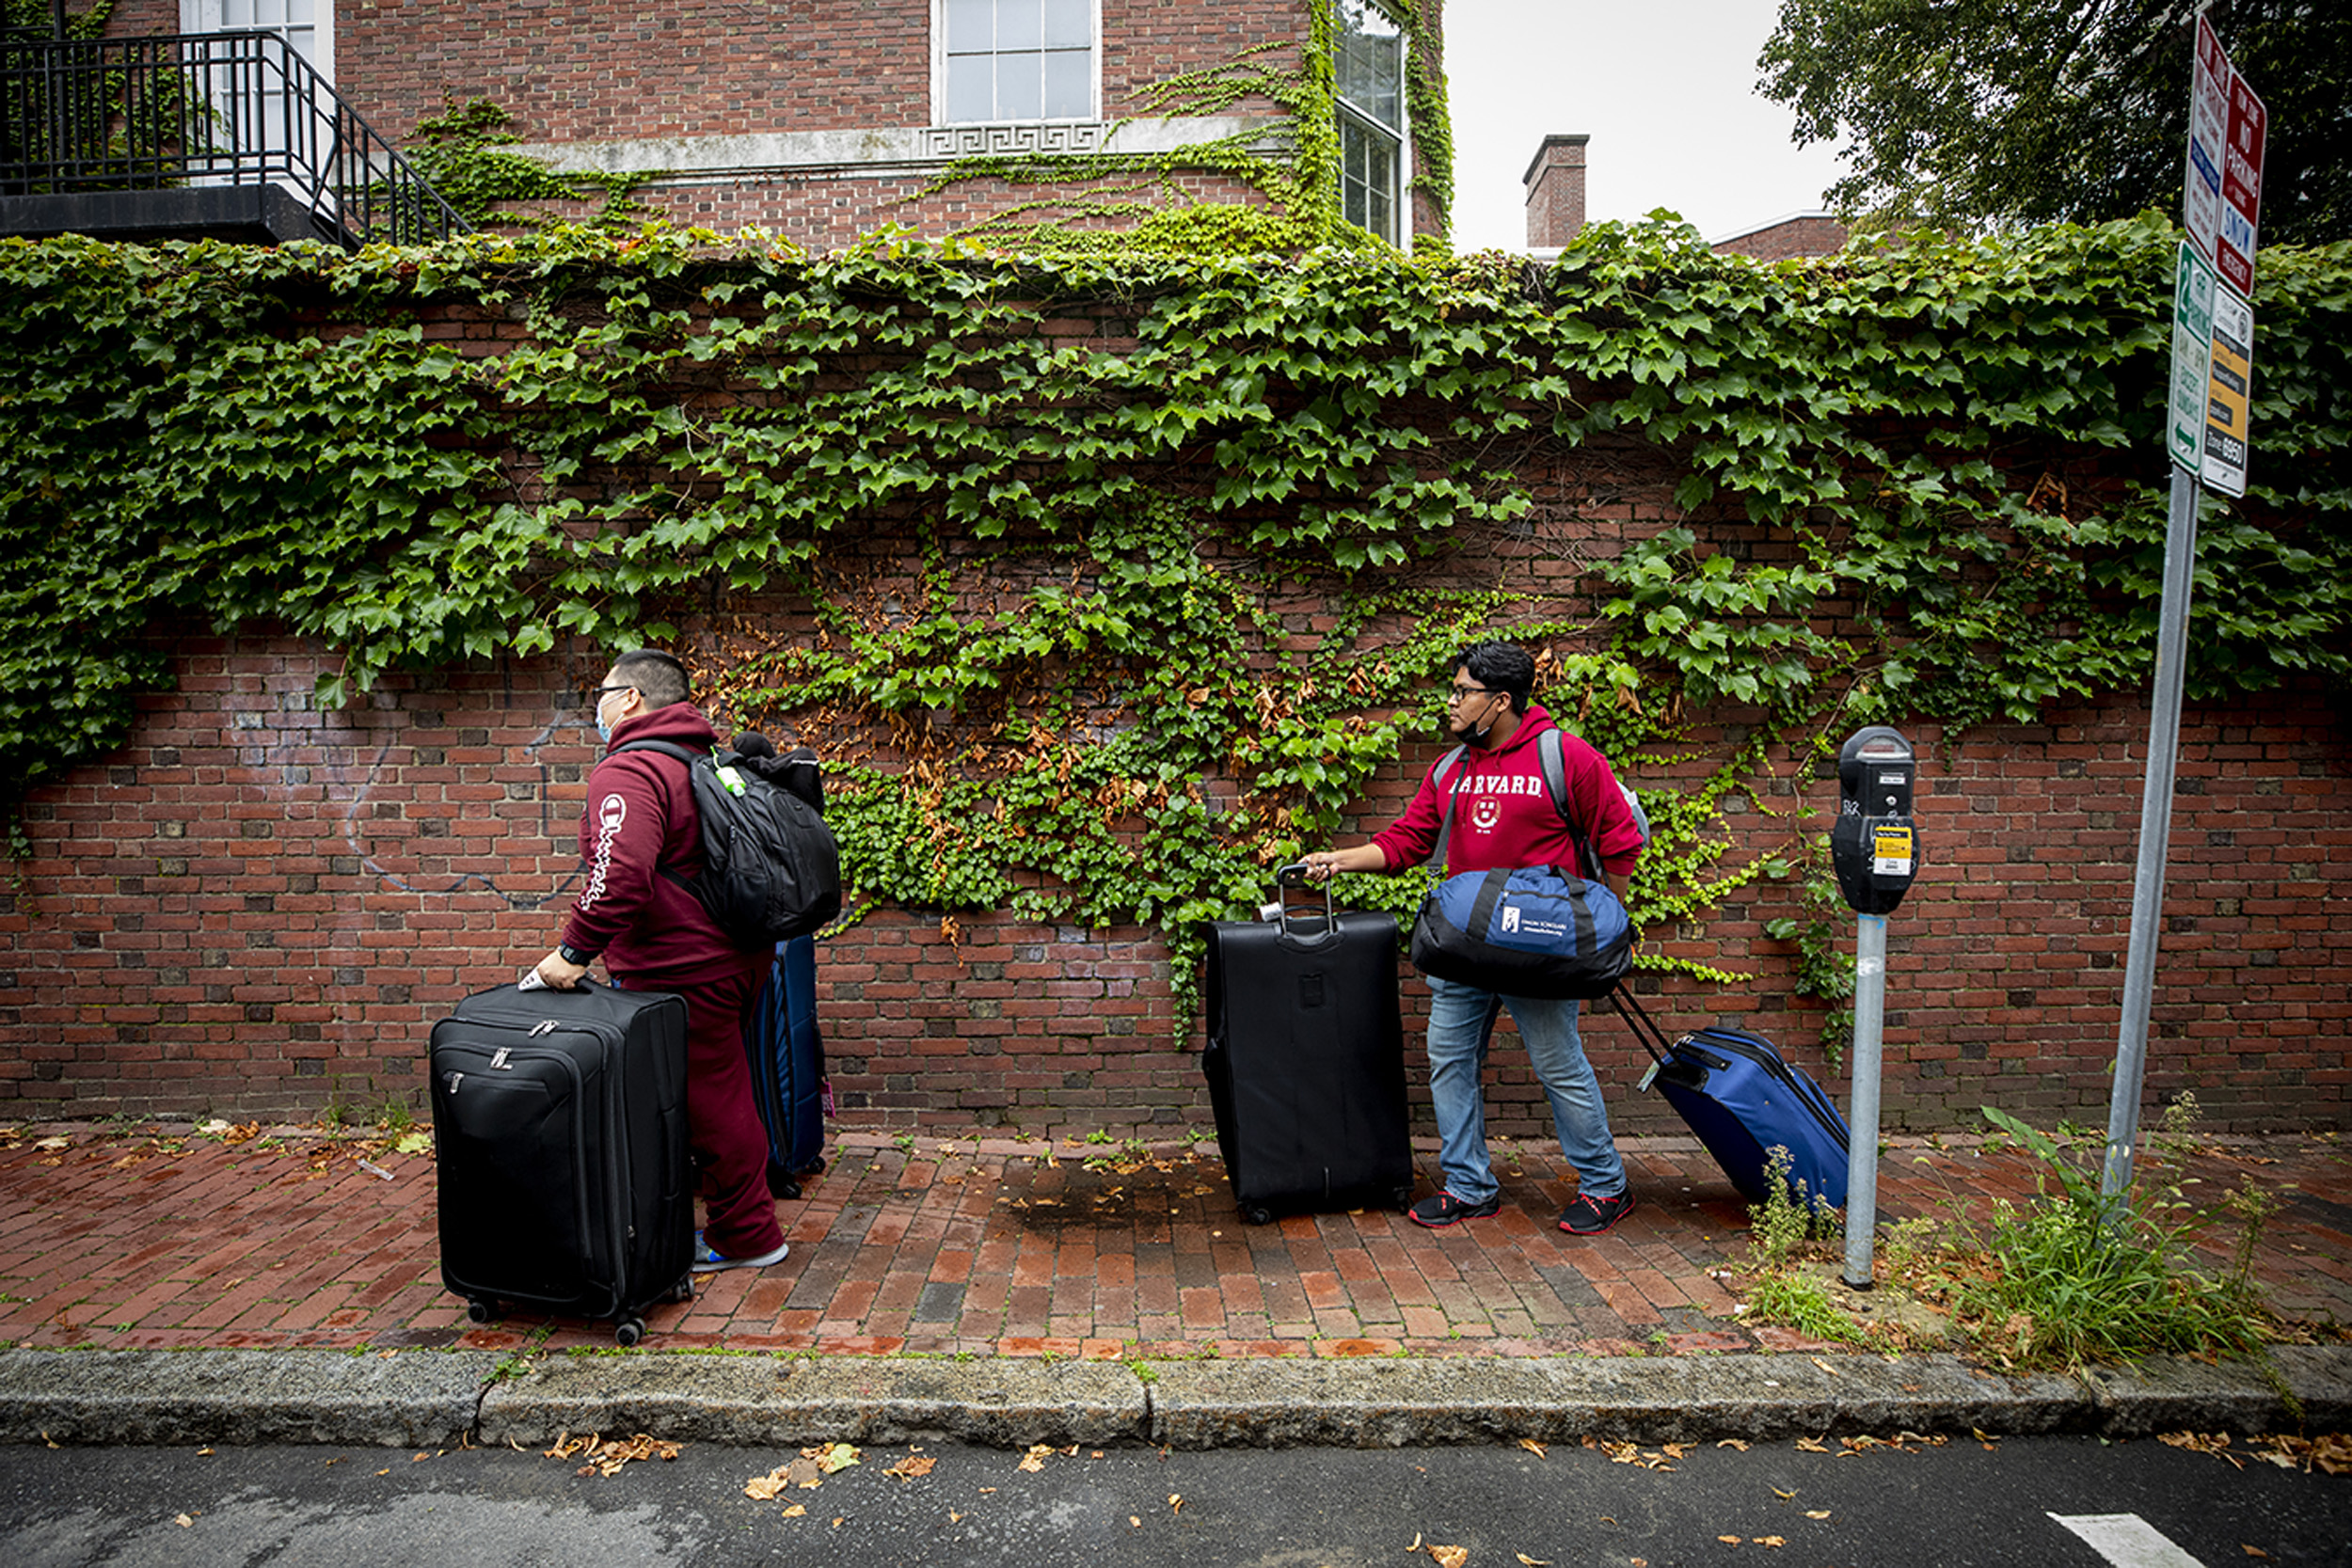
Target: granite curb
<point>442,1399</point>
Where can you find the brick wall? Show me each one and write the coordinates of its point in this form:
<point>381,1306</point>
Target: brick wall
<point>1806,234</point>
<point>257,908</point>
<point>604,72</point>
<point>823,211</point>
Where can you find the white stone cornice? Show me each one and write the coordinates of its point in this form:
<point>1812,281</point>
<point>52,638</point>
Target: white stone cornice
<point>904,149</point>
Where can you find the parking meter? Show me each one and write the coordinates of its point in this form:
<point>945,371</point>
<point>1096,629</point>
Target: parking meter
<point>1874,847</point>
<point>1875,851</point>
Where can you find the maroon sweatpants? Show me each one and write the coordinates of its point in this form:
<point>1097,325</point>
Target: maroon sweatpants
<point>723,1129</point>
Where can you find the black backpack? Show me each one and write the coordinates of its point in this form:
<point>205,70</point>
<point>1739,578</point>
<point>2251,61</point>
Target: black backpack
<point>770,869</point>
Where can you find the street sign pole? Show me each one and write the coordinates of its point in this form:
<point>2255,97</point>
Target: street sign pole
<point>2156,834</point>
<point>2212,335</point>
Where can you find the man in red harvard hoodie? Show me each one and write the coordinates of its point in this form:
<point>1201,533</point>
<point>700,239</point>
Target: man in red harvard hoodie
<point>642,841</point>
<point>1504,816</point>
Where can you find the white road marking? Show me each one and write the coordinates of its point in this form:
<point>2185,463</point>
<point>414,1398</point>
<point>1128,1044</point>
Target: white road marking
<point>2127,1541</point>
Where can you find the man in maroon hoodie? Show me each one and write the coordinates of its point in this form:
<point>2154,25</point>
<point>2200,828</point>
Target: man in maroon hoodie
<point>1504,816</point>
<point>642,841</point>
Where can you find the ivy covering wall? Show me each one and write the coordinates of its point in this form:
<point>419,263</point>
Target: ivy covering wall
<point>1155,638</point>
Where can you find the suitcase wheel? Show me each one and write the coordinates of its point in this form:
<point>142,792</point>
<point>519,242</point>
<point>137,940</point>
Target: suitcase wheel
<point>1256,1213</point>
<point>628,1332</point>
<point>682,1290</point>
<point>482,1310</point>
<point>781,1184</point>
<point>1401,1198</point>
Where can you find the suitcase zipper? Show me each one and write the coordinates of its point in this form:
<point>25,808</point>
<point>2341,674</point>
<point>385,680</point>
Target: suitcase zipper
<point>1778,1071</point>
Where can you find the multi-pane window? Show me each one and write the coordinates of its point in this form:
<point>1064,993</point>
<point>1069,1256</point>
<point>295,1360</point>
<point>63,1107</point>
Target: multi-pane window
<point>1017,59</point>
<point>1372,117</point>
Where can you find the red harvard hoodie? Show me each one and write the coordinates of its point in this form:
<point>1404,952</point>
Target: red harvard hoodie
<point>640,816</point>
<point>1502,813</point>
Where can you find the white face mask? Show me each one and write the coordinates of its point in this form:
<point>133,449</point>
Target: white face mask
<point>604,730</point>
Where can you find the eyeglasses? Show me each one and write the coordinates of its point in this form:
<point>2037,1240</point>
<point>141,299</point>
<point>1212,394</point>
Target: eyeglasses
<point>1464,693</point>
<point>595,698</point>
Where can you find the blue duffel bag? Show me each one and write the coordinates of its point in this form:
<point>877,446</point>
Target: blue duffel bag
<point>1534,931</point>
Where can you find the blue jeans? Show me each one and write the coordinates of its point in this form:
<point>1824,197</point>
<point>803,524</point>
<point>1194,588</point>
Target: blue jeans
<point>1461,1021</point>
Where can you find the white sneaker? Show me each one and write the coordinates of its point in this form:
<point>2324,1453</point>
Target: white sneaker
<point>708,1261</point>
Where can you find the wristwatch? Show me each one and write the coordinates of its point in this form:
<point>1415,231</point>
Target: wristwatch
<point>571,954</point>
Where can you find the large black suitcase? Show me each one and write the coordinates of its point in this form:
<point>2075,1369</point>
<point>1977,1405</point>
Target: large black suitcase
<point>1743,1100</point>
<point>786,1052</point>
<point>559,1124</point>
<point>1306,1060</point>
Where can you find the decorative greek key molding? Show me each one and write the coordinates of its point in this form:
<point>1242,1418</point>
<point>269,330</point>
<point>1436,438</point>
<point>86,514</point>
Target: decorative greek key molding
<point>979,141</point>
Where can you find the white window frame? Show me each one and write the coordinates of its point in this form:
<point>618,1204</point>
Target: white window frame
<point>939,74</point>
<point>209,16</point>
<point>1401,184</point>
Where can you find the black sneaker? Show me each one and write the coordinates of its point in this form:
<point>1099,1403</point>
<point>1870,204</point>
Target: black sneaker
<point>1445,1209</point>
<point>1590,1216</point>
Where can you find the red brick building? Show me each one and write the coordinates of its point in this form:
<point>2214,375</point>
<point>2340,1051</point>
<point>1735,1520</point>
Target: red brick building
<point>823,120</point>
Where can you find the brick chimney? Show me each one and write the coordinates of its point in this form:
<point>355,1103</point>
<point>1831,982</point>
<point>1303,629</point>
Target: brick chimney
<point>1555,192</point>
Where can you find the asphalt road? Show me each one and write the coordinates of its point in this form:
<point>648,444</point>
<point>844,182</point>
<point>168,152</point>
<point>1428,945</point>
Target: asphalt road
<point>1915,1505</point>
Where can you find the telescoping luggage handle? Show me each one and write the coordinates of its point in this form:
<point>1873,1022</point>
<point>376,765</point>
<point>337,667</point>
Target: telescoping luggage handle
<point>1644,1029</point>
<point>1287,879</point>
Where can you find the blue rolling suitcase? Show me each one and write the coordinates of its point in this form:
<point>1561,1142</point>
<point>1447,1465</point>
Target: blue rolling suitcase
<point>787,1059</point>
<point>1743,1100</point>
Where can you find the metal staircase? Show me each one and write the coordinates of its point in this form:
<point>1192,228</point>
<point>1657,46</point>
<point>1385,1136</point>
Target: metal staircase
<point>232,135</point>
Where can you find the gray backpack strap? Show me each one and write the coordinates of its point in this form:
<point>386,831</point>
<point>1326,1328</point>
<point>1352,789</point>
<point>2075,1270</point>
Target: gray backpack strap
<point>1551,751</point>
<point>1445,824</point>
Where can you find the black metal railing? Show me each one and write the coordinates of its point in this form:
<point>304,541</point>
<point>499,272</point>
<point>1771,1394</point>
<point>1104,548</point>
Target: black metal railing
<point>213,109</point>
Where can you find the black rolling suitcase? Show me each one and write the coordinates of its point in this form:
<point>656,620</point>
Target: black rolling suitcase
<point>559,1128</point>
<point>1306,1059</point>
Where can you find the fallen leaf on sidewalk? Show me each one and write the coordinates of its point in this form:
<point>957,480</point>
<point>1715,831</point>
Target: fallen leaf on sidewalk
<point>1450,1557</point>
<point>1810,1445</point>
<point>911,1466</point>
<point>51,1145</point>
<point>1034,1460</point>
<point>183,1522</point>
<point>1531,1447</point>
<point>797,1511</point>
<point>1739,1443</point>
<point>1533,1562</point>
<point>833,1458</point>
<point>606,1458</point>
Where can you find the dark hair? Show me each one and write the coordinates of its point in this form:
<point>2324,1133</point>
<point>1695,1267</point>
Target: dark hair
<point>659,678</point>
<point>1503,667</point>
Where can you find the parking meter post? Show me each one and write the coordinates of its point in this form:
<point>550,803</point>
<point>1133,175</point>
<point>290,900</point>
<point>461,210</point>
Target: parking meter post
<point>2156,835</point>
<point>1874,849</point>
<point>1862,1150</point>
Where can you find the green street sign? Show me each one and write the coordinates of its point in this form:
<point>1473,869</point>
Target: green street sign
<point>2193,282</point>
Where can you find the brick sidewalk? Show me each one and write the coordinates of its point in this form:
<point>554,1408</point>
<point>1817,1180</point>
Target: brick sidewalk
<point>156,1237</point>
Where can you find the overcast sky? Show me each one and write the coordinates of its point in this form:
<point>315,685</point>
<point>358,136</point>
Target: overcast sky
<point>1666,90</point>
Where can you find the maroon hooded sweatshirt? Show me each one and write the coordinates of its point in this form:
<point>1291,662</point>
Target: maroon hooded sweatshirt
<point>640,821</point>
<point>1503,817</point>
